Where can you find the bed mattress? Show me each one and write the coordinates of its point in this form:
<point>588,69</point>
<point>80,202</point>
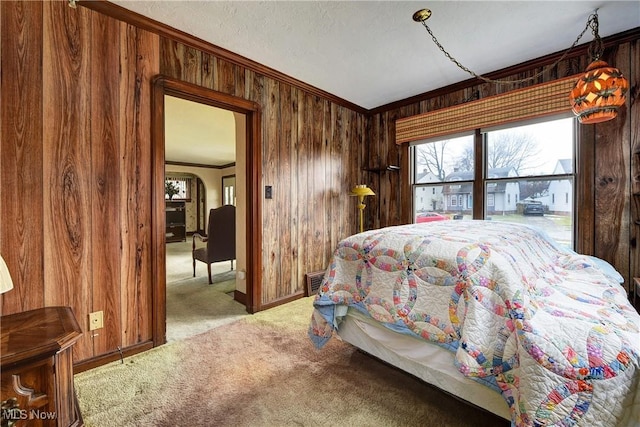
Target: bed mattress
<point>430,363</point>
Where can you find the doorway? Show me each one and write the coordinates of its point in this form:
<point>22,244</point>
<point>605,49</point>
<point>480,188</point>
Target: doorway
<point>252,213</point>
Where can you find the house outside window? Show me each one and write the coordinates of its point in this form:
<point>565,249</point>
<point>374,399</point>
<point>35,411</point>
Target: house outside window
<point>525,163</point>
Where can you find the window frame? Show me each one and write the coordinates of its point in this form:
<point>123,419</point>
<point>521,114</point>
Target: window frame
<point>480,180</point>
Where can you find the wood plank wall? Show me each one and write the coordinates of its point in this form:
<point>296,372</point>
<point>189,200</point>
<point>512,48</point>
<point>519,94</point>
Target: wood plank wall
<point>75,168</point>
<point>311,151</point>
<point>610,178</point>
<point>75,164</point>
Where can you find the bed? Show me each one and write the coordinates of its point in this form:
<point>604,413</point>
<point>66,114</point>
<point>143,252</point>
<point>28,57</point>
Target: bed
<point>495,313</point>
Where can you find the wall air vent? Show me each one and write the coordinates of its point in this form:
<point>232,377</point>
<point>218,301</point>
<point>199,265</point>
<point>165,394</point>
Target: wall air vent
<point>314,280</point>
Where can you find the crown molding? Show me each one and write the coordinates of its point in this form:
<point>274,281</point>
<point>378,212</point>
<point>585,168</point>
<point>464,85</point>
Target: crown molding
<point>117,12</point>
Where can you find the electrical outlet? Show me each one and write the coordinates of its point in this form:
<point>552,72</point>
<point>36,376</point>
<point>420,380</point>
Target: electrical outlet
<point>96,320</point>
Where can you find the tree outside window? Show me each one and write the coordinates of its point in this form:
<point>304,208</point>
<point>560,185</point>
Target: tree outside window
<point>524,164</point>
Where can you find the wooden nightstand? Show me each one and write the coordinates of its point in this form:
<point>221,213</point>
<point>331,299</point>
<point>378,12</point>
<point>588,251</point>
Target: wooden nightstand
<point>37,368</point>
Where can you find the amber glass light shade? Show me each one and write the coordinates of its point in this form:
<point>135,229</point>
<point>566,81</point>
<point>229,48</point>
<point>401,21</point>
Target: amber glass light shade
<point>598,93</point>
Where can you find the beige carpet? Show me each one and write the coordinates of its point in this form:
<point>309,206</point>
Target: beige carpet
<point>264,371</point>
<point>193,305</point>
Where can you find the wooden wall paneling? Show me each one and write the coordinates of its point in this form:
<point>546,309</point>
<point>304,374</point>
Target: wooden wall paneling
<point>585,190</point>
<point>192,65</point>
<point>325,179</point>
<point>623,60</point>
<point>296,278</point>
<point>208,66</point>
<point>105,182</point>
<point>378,178</point>
<point>226,77</point>
<point>352,135</point>
<point>21,155</point>
<point>391,179</point>
<point>317,205</point>
<point>254,87</point>
<point>374,213</point>
<point>332,174</point>
<point>342,160</point>
<point>271,244</point>
<point>304,178</point>
<point>315,191</point>
<point>240,81</point>
<point>286,192</point>
<point>612,183</point>
<point>348,136</point>
<point>360,141</point>
<point>364,151</point>
<point>171,58</point>
<point>633,105</point>
<point>67,164</point>
<point>139,60</point>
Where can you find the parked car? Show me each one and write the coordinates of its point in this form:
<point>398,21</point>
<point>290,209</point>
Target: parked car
<point>533,208</point>
<point>430,216</point>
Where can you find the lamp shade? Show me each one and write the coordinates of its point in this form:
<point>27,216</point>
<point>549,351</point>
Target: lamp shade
<point>598,93</point>
<point>362,190</point>
<point>6,284</point>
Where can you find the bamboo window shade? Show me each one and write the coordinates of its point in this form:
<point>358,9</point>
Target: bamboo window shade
<point>521,104</point>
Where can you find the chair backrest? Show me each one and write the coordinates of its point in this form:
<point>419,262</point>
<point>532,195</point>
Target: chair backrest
<point>221,234</point>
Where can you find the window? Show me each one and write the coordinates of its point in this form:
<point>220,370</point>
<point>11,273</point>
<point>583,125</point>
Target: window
<point>177,188</point>
<point>446,167</point>
<point>229,190</point>
<point>525,165</point>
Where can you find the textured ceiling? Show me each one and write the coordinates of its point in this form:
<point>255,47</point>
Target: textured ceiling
<point>372,53</point>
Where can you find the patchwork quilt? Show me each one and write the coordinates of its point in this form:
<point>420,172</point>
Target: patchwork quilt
<point>551,328</point>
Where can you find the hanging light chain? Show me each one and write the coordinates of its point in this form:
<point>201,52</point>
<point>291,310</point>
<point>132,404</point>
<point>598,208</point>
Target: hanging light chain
<point>596,47</point>
<point>595,50</point>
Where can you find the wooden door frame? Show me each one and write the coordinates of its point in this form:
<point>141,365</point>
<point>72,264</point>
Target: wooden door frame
<point>163,85</point>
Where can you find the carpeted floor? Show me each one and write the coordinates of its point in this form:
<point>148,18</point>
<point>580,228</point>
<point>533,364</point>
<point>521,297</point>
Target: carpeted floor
<point>264,371</point>
<point>193,305</point>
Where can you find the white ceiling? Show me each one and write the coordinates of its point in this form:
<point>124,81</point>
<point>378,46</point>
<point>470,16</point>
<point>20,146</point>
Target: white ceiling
<point>198,133</point>
<point>372,53</point>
